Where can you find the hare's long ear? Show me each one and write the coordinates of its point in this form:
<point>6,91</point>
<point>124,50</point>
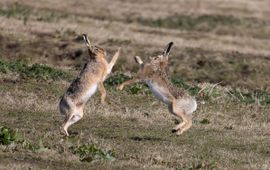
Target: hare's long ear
<point>87,43</point>
<point>167,50</point>
<point>138,60</point>
<point>89,46</point>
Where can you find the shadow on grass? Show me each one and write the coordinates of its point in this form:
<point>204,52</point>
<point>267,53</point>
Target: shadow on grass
<point>146,138</point>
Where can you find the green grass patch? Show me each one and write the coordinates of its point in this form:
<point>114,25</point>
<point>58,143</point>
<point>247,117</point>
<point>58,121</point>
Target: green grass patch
<point>187,22</point>
<point>16,10</point>
<point>226,68</point>
<point>193,90</point>
<point>200,164</point>
<point>258,96</point>
<point>91,152</point>
<point>206,94</point>
<point>35,71</point>
<point>206,22</point>
<point>118,42</point>
<point>51,16</point>
<point>24,12</point>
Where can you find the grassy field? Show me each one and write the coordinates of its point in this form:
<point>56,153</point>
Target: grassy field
<point>221,56</point>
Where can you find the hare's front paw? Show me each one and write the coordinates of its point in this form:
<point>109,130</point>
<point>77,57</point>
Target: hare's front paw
<point>120,87</point>
<point>179,132</point>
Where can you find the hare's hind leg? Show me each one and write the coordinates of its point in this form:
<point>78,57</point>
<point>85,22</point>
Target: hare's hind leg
<point>73,118</point>
<point>179,112</point>
<point>186,126</point>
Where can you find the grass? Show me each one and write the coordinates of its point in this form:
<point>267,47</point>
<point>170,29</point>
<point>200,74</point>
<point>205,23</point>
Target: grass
<point>117,42</point>
<point>16,10</point>
<point>207,93</point>
<point>201,23</point>
<point>51,16</point>
<point>259,97</point>
<point>208,23</point>
<point>86,152</point>
<point>43,72</point>
<point>140,138</point>
<point>13,140</point>
<point>200,164</point>
<point>24,12</point>
<point>90,152</point>
<point>35,71</point>
<point>216,23</point>
<point>233,68</point>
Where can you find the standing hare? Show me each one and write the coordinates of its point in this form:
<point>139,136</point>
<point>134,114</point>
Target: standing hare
<point>154,74</point>
<point>84,86</point>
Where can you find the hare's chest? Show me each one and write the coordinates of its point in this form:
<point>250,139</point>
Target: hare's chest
<point>89,92</point>
<point>158,91</point>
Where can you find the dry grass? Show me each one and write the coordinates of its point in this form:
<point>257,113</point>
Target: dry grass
<point>221,56</point>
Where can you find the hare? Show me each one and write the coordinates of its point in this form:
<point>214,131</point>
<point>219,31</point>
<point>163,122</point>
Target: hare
<point>154,74</point>
<point>85,85</point>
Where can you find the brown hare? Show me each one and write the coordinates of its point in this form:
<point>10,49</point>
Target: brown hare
<point>84,86</point>
<point>154,74</point>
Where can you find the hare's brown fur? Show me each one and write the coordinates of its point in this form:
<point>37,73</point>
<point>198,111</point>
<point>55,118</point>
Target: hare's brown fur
<point>84,86</point>
<point>154,74</point>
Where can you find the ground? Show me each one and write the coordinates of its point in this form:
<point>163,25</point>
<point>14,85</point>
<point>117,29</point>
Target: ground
<point>221,56</point>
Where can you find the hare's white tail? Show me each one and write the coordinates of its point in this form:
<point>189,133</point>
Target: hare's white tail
<point>64,106</point>
<point>188,105</point>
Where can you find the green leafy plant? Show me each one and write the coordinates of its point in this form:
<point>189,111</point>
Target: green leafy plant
<point>137,88</point>
<point>9,136</point>
<point>90,152</point>
<point>12,137</point>
<point>116,79</point>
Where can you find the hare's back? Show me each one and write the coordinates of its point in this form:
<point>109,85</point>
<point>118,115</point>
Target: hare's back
<point>90,75</point>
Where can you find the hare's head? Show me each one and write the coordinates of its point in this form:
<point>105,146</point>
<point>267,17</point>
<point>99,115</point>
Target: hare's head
<point>161,61</point>
<point>94,51</point>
